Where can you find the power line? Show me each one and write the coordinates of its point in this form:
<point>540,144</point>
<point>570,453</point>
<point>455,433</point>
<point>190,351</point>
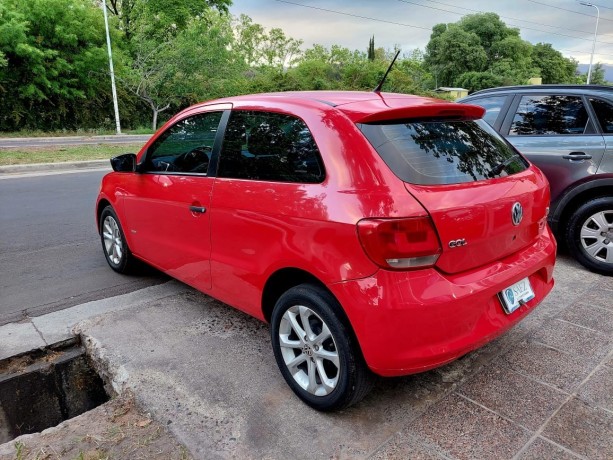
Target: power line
<point>355,15</point>
<point>522,27</point>
<point>508,17</point>
<point>566,9</point>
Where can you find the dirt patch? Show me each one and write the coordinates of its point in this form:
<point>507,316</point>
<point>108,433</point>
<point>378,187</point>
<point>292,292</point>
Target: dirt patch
<point>115,430</point>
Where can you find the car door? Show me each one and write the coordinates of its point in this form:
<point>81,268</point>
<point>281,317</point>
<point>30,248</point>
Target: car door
<point>603,108</point>
<point>167,204</point>
<point>557,133</point>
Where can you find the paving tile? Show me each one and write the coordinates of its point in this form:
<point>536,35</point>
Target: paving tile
<point>583,429</point>
<point>598,297</point>
<point>575,340</point>
<point>599,388</point>
<point>512,395</point>
<point>605,282</point>
<point>594,317</point>
<point>404,445</point>
<point>466,430</point>
<point>542,449</point>
<point>548,365</point>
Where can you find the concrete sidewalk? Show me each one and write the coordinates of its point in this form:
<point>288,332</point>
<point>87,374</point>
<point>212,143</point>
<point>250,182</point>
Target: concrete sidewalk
<point>207,373</point>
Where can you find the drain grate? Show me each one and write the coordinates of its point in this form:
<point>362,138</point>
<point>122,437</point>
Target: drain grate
<point>42,389</point>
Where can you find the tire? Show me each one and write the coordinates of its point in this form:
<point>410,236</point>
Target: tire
<point>114,243</point>
<point>589,235</point>
<point>321,362</point>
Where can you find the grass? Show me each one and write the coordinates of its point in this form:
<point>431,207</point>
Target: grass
<point>58,154</point>
<point>79,132</point>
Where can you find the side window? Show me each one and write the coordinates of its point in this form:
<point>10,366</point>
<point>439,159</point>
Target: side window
<point>555,114</point>
<point>604,112</point>
<point>269,147</point>
<point>492,106</point>
<point>186,146</point>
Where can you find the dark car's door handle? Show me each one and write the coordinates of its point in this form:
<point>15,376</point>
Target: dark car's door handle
<point>577,156</point>
<point>198,209</point>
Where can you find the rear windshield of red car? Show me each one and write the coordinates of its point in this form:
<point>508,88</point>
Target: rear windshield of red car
<point>431,152</point>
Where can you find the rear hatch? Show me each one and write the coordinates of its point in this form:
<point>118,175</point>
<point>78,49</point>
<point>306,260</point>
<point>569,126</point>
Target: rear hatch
<point>484,199</point>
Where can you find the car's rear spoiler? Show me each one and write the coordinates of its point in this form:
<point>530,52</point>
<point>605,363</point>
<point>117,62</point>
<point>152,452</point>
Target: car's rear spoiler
<point>376,113</point>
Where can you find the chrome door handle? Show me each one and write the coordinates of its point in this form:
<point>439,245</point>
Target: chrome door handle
<point>198,209</point>
<point>577,156</point>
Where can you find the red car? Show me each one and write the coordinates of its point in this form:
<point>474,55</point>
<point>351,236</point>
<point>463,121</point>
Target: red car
<point>378,233</point>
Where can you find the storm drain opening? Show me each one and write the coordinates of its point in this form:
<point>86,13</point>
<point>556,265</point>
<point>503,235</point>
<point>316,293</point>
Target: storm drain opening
<point>43,388</point>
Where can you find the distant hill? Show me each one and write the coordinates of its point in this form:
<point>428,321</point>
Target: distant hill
<point>608,71</point>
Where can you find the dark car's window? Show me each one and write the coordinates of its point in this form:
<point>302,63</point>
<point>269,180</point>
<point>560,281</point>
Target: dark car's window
<point>270,147</point>
<point>186,146</point>
<point>604,112</point>
<point>443,152</point>
<point>492,106</point>
<point>555,114</point>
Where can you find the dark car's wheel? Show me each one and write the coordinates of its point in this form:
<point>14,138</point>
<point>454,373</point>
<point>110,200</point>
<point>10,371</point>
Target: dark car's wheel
<point>114,244</point>
<point>316,351</point>
<point>589,235</point>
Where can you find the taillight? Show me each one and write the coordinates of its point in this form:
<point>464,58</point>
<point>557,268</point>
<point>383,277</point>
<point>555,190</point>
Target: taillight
<point>400,243</point>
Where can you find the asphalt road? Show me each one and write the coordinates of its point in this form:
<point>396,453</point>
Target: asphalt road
<point>50,252</point>
<point>21,142</point>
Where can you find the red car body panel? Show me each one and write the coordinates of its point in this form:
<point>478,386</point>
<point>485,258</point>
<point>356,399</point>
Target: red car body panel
<point>406,321</point>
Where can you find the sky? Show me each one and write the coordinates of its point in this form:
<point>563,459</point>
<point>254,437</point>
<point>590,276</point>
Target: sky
<point>566,24</point>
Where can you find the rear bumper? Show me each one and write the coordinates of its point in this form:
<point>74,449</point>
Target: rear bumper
<point>413,321</point>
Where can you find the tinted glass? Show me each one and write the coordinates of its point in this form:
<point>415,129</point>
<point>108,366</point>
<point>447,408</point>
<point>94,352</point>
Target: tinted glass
<point>604,112</point>
<point>492,106</point>
<point>186,146</point>
<point>443,152</point>
<point>270,147</point>
<point>549,115</point>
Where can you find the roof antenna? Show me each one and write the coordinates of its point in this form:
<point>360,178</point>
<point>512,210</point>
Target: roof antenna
<point>378,88</point>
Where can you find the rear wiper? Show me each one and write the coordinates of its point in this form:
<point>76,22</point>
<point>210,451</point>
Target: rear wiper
<point>496,170</point>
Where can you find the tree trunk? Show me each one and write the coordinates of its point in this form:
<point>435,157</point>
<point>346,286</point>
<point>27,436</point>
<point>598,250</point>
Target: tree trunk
<point>155,120</point>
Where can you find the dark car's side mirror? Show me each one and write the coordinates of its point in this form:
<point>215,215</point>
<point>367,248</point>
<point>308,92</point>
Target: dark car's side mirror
<point>124,163</point>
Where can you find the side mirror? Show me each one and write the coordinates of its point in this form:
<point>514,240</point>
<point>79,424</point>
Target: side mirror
<point>124,163</point>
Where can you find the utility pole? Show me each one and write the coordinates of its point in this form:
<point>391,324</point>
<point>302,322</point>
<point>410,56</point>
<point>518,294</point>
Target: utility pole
<point>108,45</point>
<point>589,72</point>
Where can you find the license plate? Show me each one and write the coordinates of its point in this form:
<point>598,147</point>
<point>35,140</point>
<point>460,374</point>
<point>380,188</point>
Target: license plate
<point>516,295</point>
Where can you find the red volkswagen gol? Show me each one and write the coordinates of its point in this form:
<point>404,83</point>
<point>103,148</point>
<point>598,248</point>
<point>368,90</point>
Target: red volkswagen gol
<point>377,233</point>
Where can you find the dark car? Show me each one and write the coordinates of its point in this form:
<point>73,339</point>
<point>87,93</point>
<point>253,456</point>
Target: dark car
<point>567,131</point>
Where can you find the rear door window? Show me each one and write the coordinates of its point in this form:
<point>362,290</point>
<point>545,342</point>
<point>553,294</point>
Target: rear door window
<point>269,147</point>
<point>492,106</point>
<point>604,112</point>
<point>443,151</point>
<point>551,114</point>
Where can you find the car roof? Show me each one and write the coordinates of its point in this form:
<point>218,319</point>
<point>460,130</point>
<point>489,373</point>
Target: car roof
<point>362,106</point>
<point>544,88</point>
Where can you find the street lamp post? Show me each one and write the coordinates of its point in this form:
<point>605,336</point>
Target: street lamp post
<point>108,45</point>
<point>589,72</point>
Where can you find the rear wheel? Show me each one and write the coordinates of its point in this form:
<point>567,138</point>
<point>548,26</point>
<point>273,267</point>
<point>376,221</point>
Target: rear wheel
<point>316,351</point>
<point>589,235</point>
<point>114,244</point>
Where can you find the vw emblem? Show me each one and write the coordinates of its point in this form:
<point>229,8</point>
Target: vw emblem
<point>517,213</point>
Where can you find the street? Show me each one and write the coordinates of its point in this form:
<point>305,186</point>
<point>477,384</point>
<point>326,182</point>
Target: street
<point>50,254</point>
<point>23,142</point>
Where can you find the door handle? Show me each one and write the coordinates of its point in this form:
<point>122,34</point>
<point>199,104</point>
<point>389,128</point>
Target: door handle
<point>198,209</point>
<point>577,156</point>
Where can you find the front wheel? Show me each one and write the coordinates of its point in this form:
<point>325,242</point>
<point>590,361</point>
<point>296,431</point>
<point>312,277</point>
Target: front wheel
<point>114,244</point>
<point>316,351</point>
<point>589,235</point>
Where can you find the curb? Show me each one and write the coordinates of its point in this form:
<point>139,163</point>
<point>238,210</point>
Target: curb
<point>65,166</point>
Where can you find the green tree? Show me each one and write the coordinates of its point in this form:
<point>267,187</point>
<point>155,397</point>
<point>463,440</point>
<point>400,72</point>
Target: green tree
<point>371,49</point>
<point>55,75</point>
<point>554,68</point>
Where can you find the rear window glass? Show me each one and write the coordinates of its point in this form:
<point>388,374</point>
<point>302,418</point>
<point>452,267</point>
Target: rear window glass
<point>443,151</point>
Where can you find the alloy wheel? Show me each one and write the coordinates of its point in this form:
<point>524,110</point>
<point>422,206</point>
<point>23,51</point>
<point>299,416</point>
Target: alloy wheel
<point>113,244</point>
<point>597,236</point>
<point>309,350</point>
